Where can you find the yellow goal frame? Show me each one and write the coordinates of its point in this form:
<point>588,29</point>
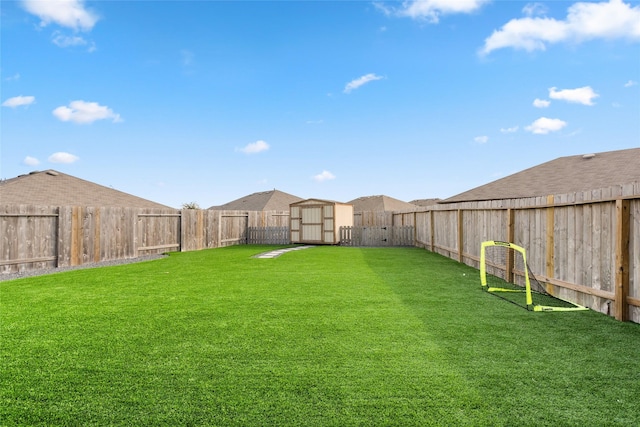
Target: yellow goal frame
<point>527,289</point>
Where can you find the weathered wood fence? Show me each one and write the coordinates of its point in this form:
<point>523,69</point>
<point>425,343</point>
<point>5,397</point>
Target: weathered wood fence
<point>33,237</point>
<point>372,218</point>
<point>585,245</point>
<point>383,235</point>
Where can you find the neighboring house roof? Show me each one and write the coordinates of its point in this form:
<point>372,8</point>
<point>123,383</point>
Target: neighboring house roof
<point>379,203</point>
<point>561,176</point>
<point>274,200</point>
<point>314,201</point>
<point>53,188</point>
<point>425,202</point>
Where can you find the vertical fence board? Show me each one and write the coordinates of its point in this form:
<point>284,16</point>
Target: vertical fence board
<point>634,257</point>
<point>622,259</point>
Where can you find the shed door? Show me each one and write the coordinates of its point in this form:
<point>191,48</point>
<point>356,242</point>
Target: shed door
<point>311,227</point>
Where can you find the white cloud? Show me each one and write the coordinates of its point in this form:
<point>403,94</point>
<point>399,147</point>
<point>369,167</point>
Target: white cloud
<point>630,83</point>
<point>534,9</point>
<point>481,139</point>
<point>386,10</point>
<point>324,176</point>
<point>431,10</point>
<point>62,40</point>
<point>356,83</point>
<point>66,13</point>
<point>62,157</point>
<point>255,147</point>
<point>582,95</point>
<point>544,125</point>
<point>13,78</point>
<point>31,161</point>
<point>585,21</point>
<point>85,112</point>
<point>510,130</point>
<point>17,101</point>
<point>541,103</point>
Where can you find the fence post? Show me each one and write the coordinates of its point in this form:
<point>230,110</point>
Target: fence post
<point>76,235</point>
<point>97,233</point>
<point>550,250</point>
<point>219,215</point>
<point>510,238</point>
<point>60,237</point>
<point>200,229</point>
<point>622,259</point>
<point>460,235</point>
<point>432,231</point>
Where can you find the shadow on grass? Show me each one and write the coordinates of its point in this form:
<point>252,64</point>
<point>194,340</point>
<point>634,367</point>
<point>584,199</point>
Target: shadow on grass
<point>567,368</point>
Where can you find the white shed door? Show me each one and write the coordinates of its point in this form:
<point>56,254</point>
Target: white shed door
<point>311,224</point>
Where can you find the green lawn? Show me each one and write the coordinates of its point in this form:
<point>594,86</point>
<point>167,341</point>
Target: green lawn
<point>327,336</point>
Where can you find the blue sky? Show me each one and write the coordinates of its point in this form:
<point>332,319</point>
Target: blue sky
<point>208,101</point>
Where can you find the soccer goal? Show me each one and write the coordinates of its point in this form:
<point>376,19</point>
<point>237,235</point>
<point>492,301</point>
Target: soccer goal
<point>504,273</point>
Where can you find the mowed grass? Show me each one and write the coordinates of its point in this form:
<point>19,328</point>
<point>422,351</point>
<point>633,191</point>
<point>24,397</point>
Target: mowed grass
<point>327,336</point>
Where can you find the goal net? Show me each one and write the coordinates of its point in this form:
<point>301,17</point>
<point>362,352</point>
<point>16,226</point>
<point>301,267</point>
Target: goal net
<point>504,272</point>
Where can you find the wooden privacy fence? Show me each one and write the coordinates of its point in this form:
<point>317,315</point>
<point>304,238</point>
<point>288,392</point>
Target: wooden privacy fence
<point>372,218</point>
<point>585,246</point>
<point>33,237</point>
<point>384,235</point>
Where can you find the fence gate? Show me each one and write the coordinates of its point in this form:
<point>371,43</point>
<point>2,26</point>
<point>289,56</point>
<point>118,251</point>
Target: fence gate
<point>232,228</point>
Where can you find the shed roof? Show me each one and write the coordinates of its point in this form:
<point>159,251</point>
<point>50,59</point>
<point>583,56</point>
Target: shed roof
<point>274,200</point>
<point>560,176</point>
<point>379,203</point>
<point>53,188</point>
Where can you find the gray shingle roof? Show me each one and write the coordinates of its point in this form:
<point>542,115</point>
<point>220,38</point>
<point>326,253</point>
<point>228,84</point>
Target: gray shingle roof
<point>379,203</point>
<point>425,202</point>
<point>560,176</point>
<point>53,188</point>
<point>274,200</point>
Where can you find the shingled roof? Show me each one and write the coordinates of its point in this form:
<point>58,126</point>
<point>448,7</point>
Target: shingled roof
<point>274,200</point>
<point>425,202</point>
<point>53,188</point>
<point>561,176</point>
<point>379,203</point>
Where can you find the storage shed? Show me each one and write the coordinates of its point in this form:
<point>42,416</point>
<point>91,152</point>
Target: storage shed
<point>318,221</point>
